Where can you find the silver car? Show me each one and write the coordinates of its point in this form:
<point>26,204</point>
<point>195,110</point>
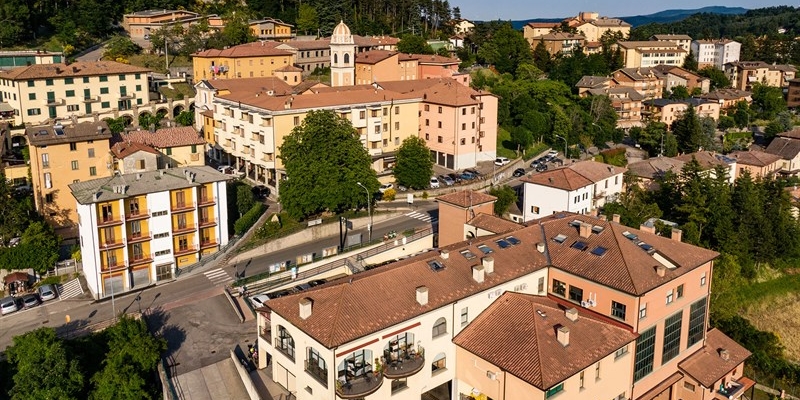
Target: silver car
<point>47,292</point>
<point>8,305</point>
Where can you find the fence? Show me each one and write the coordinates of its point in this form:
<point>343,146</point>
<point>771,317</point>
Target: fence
<point>773,386</point>
<point>63,268</point>
<point>208,258</point>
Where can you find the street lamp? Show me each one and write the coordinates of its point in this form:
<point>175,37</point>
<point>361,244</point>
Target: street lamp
<point>369,211</point>
<point>566,155</point>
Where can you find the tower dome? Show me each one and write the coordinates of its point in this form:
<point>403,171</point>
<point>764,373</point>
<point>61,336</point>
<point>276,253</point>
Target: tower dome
<point>341,34</point>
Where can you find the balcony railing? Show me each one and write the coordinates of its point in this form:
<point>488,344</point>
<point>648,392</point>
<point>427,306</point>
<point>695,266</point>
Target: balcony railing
<point>405,365</point>
<point>137,237</point>
<point>285,346</point>
<point>108,221</point>
<point>317,372</point>
<point>735,389</point>
<point>356,386</point>
<point>139,259</point>
<point>183,206</point>
<point>266,333</point>
<point>55,102</point>
<point>112,244</point>
<point>204,223</point>
<point>184,250</point>
<point>136,214</point>
<point>207,244</point>
<point>208,201</point>
<point>91,99</point>
<point>184,228</point>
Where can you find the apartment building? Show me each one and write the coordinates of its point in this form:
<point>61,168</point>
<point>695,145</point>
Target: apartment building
<point>651,53</point>
<point>458,123</point>
<point>249,60</point>
<point>433,66</point>
<point>627,103</point>
<point>670,110</point>
<point>536,29</point>
<point>787,146</point>
<point>715,53</point>
<point>177,146</point>
<point>592,28</point>
<point>683,41</point>
<point>59,156</point>
<point>793,93</point>
<point>744,74</point>
<point>559,42</point>
<point>728,98</point>
<point>676,76</point>
<point>24,58</point>
<point>84,89</point>
<point>141,24</point>
<point>759,164</point>
<point>382,65</point>
<point>271,29</point>
<point>138,228</point>
<point>646,81</point>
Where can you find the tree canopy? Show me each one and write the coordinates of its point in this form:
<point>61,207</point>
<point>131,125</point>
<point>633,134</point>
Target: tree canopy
<point>324,160</point>
<point>413,44</point>
<point>506,49</point>
<point>414,167</point>
<point>44,370</point>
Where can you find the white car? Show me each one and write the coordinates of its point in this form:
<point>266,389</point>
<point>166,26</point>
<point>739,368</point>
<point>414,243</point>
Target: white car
<point>385,187</point>
<point>500,161</point>
<point>259,300</point>
<point>434,182</point>
<point>552,153</point>
<point>47,292</point>
<point>8,305</point>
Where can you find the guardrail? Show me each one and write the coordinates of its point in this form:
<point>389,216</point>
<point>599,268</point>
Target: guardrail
<point>207,259</point>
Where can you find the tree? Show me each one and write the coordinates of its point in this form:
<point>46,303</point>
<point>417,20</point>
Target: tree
<point>633,206</point>
<point>185,118</point>
<point>679,92</point>
<point>307,19</point>
<point>413,44</point>
<point>741,114</point>
<point>725,122</point>
<point>541,57</point>
<point>506,50</point>
<point>688,131</point>
<point>244,199</point>
<point>43,368</point>
<point>768,101</point>
<point>414,167</point>
<point>39,244</point>
<point>116,125</point>
<point>690,62</point>
<point>717,77</point>
<point>120,47</point>
<point>506,196</point>
<point>521,137</point>
<point>324,159</point>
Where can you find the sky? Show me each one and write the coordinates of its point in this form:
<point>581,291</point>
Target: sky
<point>522,9</point>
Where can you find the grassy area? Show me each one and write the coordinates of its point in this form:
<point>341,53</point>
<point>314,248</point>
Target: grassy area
<point>738,135</point>
<point>156,62</point>
<point>534,151</point>
<point>613,157</point>
<point>504,146</point>
<point>271,230</point>
<point>179,91</point>
<point>774,305</point>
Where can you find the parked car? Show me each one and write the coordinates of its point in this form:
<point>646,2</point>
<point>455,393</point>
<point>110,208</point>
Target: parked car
<point>385,187</point>
<point>260,191</point>
<point>30,300</point>
<point>540,160</point>
<point>466,176</point>
<point>552,153</point>
<point>474,172</point>
<point>401,188</point>
<point>301,287</point>
<point>316,282</point>
<point>455,177</point>
<point>434,183</point>
<point>519,172</point>
<point>47,292</point>
<point>258,300</point>
<point>500,161</point>
<point>223,168</point>
<point>447,180</point>
<point>8,305</point>
<point>540,167</point>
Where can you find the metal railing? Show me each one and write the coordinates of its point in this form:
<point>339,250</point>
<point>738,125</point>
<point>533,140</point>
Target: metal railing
<point>207,258</point>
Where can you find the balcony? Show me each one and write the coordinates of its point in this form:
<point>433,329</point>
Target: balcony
<point>183,206</point>
<point>138,237</point>
<point>184,250</point>
<point>127,96</point>
<point>134,215</point>
<point>266,333</point>
<point>109,220</point>
<point>205,223</point>
<point>208,244</point>
<point>286,346</point>
<point>404,365</point>
<point>317,372</point>
<point>114,266</point>
<point>207,201</point>
<point>184,228</point>
<point>735,389</point>
<point>139,259</point>
<point>111,244</point>
<point>55,102</point>
<point>358,386</point>
<point>91,99</point>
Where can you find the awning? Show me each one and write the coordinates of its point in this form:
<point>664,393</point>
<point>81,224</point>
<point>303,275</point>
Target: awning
<point>664,385</point>
<point>5,107</point>
<point>16,277</point>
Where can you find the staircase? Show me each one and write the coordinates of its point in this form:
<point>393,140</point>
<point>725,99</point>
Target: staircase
<point>71,289</point>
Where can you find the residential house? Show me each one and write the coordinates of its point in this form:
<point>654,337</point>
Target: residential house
<point>683,41</point>
<point>709,161</point>
<point>715,53</point>
<point>536,29</point>
<point>249,60</point>
<point>582,187</point>
<point>139,228</point>
<point>559,42</point>
<point>133,157</point>
<point>61,155</point>
<point>310,55</point>
<point>535,347</point>
<point>271,29</point>
<point>382,65</point>
<point>592,26</point>
<point>793,93</point>
<point>179,146</point>
<point>627,102</point>
<point>676,76</point>
<point>643,80</point>
<point>463,26</point>
<point>23,58</point>
<point>87,90</point>
<point>787,146</point>
<point>638,54</point>
<point>464,208</point>
<point>385,43</point>
<point>759,164</point>
<point>727,98</point>
<point>588,82</point>
<point>434,66</point>
<point>457,41</point>
<point>290,74</point>
<point>669,110</point>
<point>648,171</point>
<point>141,24</point>
<point>743,74</point>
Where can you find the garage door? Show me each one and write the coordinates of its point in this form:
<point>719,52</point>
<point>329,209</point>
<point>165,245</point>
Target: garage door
<point>141,277</point>
<point>113,285</point>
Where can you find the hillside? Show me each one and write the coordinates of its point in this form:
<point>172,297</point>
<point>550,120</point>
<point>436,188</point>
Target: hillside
<point>662,17</point>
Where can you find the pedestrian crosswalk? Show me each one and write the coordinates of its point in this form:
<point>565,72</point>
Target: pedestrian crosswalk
<point>218,276</point>
<point>422,217</point>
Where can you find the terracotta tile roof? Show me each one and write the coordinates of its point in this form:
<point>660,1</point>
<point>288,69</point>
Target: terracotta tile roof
<point>646,43</point>
<point>559,36</point>
<point>307,85</point>
<point>311,100</point>
<point>619,92</point>
<point>289,68</point>
<point>374,56</point>
<point>386,40</point>
<point>124,149</point>
<point>339,89</point>
<point>436,59</point>
<point>575,176</point>
<point>793,134</point>
<point>466,198</point>
<point>755,158</point>
<point>76,69</point>
<point>251,85</point>
<point>726,94</point>
<point>672,37</point>
<point>543,24</point>
<point>707,366</point>
<point>655,167</point>
<point>786,148</point>
<point>317,44</point>
<point>44,135</point>
<point>165,137</point>
<point>661,387</point>
<point>513,335</point>
<point>625,266</point>
<point>605,21</point>
<point>493,223</point>
<point>208,113</point>
<point>255,49</point>
<point>590,81</point>
<point>351,308</point>
<point>706,159</point>
<point>638,74</point>
<point>444,91</point>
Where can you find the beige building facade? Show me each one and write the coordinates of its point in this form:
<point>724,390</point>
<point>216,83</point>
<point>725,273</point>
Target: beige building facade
<point>638,54</point>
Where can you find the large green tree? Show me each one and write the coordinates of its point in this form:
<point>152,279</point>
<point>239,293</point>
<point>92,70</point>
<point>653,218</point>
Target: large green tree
<point>414,44</point>
<point>506,196</point>
<point>324,161</point>
<point>307,19</point>
<point>506,50</point>
<point>43,368</point>
<point>718,78</point>
<point>414,167</point>
<point>688,131</point>
<point>768,101</point>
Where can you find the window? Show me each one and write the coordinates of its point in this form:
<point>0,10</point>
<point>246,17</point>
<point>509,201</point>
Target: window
<point>439,124</point>
<point>618,310</point>
<point>48,198</point>
<point>397,111</point>
<point>554,390</point>
<point>703,279</point>
<point>169,151</point>
<point>439,362</point>
<point>45,160</point>
<point>643,311</point>
<point>34,111</point>
<point>31,84</point>
<point>73,107</point>
<point>374,113</point>
<point>138,88</point>
<point>91,153</point>
<point>559,288</point>
<point>427,106</point>
<point>103,90</point>
<point>688,386</point>
<point>439,328</point>
<point>697,322</point>
<point>160,235</point>
<point>580,380</point>
<point>669,296</point>
<point>159,213</point>
<point>70,93</point>
<point>162,252</point>
<point>103,78</point>
<point>316,366</point>
<point>105,104</point>
<point>679,291</point>
<point>464,316</point>
<point>645,348</point>
<point>48,82</point>
<point>672,337</point>
<point>48,181</point>
<point>74,165</point>
<point>463,127</point>
<point>31,96</point>
<point>73,146</point>
<point>85,79</point>
<point>92,171</point>
<point>540,286</point>
<point>397,125</point>
<point>439,139</point>
<point>440,110</point>
<point>621,352</point>
<point>69,81</point>
<point>398,385</point>
<point>296,121</point>
<point>575,294</point>
<point>535,209</point>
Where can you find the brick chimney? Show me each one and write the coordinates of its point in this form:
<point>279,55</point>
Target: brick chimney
<point>585,229</point>
<point>615,218</point>
<point>422,295</point>
<point>645,228</point>
<point>488,264</point>
<point>661,270</point>
<point>445,254</point>
<point>571,314</point>
<point>478,273</point>
<point>724,354</point>
<point>305,307</point>
<point>677,234</point>
<point>562,334</point>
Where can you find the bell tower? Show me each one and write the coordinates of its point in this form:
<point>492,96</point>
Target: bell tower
<point>343,54</point>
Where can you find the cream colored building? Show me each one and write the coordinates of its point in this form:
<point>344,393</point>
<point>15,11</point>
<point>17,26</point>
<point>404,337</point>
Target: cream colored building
<point>668,111</point>
<point>141,24</point>
<point>683,41</point>
<point>251,60</point>
<point>651,53</point>
<point>536,29</point>
<point>593,28</point>
<point>62,155</point>
<point>271,29</point>
<point>744,74</point>
<point>559,42</point>
<point>84,89</point>
<point>178,146</point>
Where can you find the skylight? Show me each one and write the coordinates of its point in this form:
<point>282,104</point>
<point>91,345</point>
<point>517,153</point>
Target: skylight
<point>560,238</point>
<point>435,265</point>
<point>630,235</point>
<point>580,245</point>
<point>575,223</point>
<point>645,246</point>
<point>485,249</point>
<point>513,240</point>
<point>599,251</point>
<point>503,243</point>
<point>597,229</point>
<point>467,254</point>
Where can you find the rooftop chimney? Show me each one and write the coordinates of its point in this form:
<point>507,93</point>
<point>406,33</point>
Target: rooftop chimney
<point>661,270</point>
<point>724,354</point>
<point>444,254</point>
<point>651,229</point>
<point>562,334</point>
<point>603,218</point>
<point>422,295</point>
<point>488,264</point>
<point>585,229</point>
<point>615,218</point>
<point>305,307</point>
<point>571,314</point>
<point>676,234</point>
<point>540,247</point>
<point>478,273</point>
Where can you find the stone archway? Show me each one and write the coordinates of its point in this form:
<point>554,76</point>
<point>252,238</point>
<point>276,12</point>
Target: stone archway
<point>177,110</point>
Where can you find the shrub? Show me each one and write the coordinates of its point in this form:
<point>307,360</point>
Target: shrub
<point>389,195</point>
<point>248,219</point>
<point>425,195</point>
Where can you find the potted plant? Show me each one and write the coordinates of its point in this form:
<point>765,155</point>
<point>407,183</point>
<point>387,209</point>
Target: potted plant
<point>378,367</point>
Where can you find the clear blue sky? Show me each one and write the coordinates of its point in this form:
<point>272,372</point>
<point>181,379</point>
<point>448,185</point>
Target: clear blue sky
<point>521,9</point>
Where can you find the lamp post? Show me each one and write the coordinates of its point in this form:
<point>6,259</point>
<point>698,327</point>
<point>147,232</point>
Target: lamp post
<point>369,211</point>
<point>566,155</point>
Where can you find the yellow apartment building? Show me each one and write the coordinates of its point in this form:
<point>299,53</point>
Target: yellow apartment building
<point>43,92</point>
<point>271,29</point>
<point>136,229</point>
<point>250,60</point>
<point>62,155</point>
<point>140,24</point>
<point>178,146</point>
<point>382,65</point>
<point>651,53</point>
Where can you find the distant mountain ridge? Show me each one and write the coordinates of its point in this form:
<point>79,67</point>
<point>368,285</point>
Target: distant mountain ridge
<point>665,16</point>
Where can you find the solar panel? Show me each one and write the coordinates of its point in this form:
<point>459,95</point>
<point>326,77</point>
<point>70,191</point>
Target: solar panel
<point>560,238</point>
<point>485,249</point>
<point>513,240</point>
<point>580,245</point>
<point>503,243</point>
<point>599,251</point>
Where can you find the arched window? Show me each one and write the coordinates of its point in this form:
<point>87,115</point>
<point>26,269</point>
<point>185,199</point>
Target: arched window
<point>439,328</point>
<point>439,362</point>
<point>346,58</point>
<point>335,58</point>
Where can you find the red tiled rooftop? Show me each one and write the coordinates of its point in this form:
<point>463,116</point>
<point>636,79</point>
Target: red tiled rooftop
<point>254,49</point>
<point>707,366</point>
<point>251,85</point>
<point>754,158</point>
<point>124,149</point>
<point>466,198</point>
<point>575,176</point>
<point>494,224</point>
<point>76,69</point>
<point>165,137</point>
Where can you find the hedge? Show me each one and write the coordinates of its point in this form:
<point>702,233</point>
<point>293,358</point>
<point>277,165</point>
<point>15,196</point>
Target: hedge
<point>248,219</point>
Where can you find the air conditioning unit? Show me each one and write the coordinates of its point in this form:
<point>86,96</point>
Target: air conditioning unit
<point>592,303</point>
<point>491,375</point>
<point>585,304</point>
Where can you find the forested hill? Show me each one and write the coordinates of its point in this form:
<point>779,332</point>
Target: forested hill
<point>78,22</point>
<point>757,23</point>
